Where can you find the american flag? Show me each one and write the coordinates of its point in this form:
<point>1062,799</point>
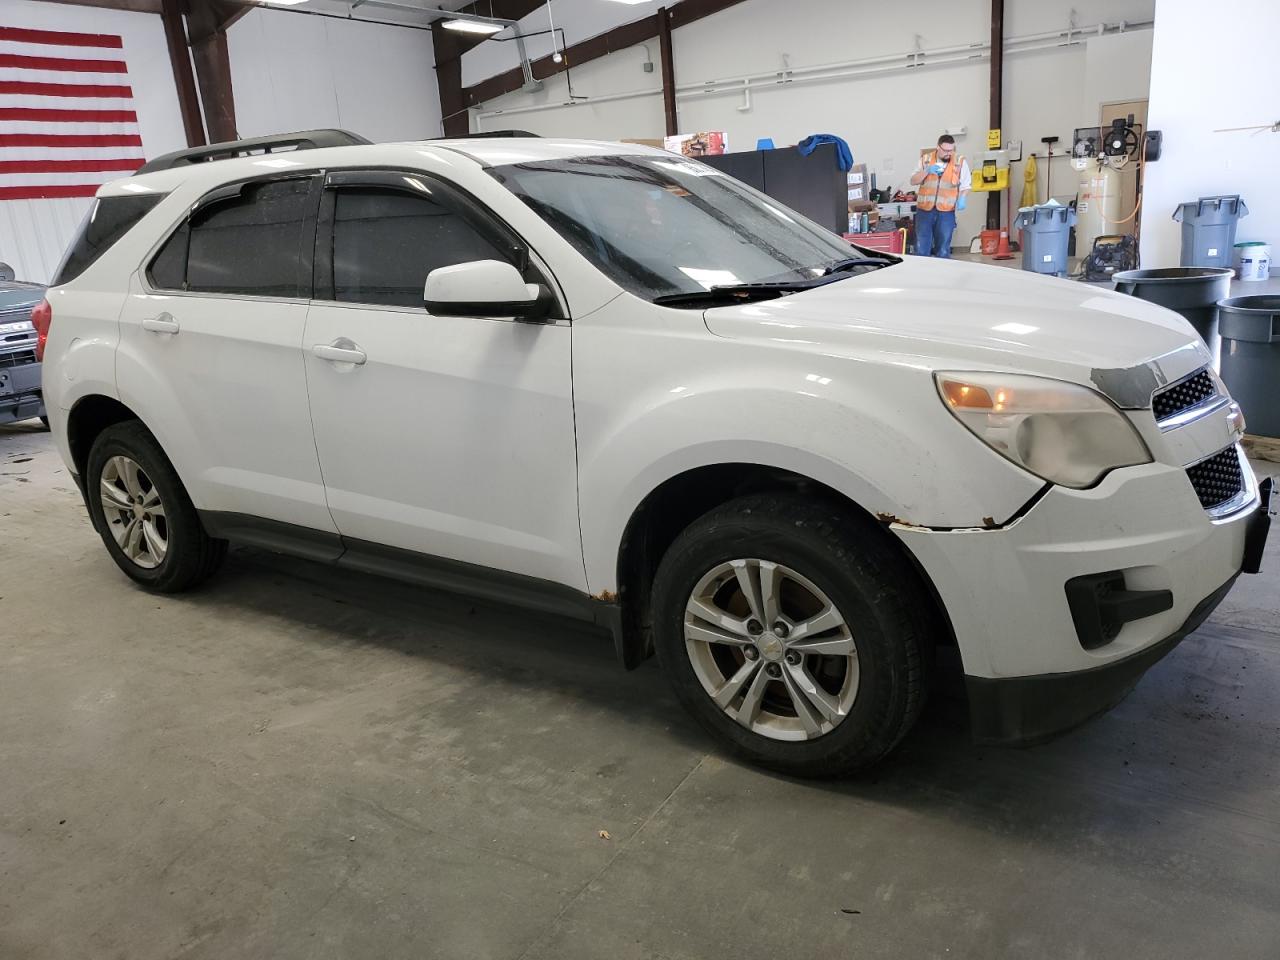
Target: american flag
<point>67,123</point>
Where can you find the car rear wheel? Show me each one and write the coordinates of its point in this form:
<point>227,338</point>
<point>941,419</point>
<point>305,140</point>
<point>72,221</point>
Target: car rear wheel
<point>793,632</point>
<point>143,513</point>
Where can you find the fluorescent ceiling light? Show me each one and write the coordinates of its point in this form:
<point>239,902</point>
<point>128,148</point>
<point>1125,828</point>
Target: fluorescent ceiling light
<point>284,3</point>
<point>474,26</point>
<point>631,2</point>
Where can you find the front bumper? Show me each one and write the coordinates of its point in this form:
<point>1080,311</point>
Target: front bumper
<point>1021,711</point>
<point>20,391</point>
<point>1005,593</point>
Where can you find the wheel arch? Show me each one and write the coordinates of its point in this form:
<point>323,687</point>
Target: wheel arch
<point>676,502</point>
<point>87,419</point>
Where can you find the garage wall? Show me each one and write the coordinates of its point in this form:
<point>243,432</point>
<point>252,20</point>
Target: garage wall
<point>885,118</point>
<point>290,71</point>
<point>34,233</point>
<point>1189,101</point>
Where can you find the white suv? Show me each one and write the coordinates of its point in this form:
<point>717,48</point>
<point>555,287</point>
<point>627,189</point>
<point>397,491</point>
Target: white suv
<point>606,381</point>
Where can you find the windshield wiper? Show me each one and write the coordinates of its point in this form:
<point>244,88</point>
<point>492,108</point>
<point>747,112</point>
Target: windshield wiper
<point>836,266</point>
<point>733,293</point>
<point>730,294</point>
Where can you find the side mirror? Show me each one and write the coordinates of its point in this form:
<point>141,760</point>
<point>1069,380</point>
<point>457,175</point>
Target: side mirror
<point>484,288</point>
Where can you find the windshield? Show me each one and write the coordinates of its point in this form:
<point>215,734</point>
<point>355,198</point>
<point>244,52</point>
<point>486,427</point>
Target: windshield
<point>659,227</point>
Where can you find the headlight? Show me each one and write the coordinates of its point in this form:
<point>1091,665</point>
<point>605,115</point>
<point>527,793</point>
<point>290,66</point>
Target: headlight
<point>1063,432</point>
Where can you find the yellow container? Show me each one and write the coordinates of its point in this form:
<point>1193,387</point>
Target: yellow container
<point>990,177</point>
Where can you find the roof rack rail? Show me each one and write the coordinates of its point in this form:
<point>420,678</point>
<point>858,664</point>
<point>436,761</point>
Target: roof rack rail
<point>486,134</point>
<point>302,140</point>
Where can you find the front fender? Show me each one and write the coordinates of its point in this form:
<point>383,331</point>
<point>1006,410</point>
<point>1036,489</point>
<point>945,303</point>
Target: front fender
<point>875,433</point>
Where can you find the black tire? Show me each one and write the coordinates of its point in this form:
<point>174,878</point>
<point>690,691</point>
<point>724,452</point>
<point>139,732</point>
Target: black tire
<point>853,561</point>
<point>192,555</point>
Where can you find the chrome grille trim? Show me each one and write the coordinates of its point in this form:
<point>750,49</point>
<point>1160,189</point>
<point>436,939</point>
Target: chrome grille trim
<point>1223,482</point>
<point>1199,389</point>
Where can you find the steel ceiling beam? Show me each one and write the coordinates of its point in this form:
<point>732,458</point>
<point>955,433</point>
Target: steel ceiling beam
<point>184,81</point>
<point>207,23</point>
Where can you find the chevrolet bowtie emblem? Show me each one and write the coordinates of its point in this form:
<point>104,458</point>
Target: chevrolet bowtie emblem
<point>1235,420</point>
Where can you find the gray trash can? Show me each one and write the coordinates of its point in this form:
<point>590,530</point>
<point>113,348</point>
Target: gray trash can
<point>1209,230</point>
<point>1193,292</point>
<point>1046,229</point>
<point>1250,329</point>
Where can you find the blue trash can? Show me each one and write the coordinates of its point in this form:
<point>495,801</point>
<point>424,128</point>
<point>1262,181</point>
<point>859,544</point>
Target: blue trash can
<point>1046,230</point>
<point>1209,230</point>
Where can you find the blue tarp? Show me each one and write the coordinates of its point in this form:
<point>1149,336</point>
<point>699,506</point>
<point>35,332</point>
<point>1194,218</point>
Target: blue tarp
<point>844,156</point>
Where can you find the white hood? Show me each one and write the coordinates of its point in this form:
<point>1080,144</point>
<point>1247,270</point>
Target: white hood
<point>948,313</point>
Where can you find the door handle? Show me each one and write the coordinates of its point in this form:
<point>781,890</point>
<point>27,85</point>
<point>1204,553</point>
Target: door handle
<point>163,323</point>
<point>341,350</point>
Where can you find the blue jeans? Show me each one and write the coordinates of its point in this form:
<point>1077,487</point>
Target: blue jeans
<point>933,232</point>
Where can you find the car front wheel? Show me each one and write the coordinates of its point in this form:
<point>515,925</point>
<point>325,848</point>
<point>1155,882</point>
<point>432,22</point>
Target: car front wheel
<point>793,632</point>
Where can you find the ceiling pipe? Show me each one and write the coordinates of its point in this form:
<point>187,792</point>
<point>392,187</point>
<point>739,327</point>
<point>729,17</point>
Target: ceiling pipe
<point>831,72</point>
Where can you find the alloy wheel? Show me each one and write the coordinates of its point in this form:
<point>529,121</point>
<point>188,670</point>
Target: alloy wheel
<point>771,649</point>
<point>134,512</point>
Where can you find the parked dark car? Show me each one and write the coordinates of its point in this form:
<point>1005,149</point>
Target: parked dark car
<point>20,397</point>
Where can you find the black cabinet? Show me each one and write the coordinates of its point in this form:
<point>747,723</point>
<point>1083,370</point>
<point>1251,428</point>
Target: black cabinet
<point>814,185</point>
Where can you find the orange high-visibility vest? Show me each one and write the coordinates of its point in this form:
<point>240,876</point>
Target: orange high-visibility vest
<point>942,190</point>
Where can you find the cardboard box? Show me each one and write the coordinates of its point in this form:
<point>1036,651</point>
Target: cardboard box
<point>660,144</point>
<point>859,183</point>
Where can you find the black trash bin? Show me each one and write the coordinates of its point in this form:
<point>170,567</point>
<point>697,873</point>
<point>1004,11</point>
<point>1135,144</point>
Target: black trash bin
<point>1250,328</point>
<point>1193,292</point>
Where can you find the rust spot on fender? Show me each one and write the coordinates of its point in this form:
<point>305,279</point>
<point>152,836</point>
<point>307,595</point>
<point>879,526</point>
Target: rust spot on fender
<point>889,520</point>
<point>605,596</point>
<point>989,523</point>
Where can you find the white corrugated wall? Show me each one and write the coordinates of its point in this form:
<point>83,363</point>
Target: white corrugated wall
<point>33,234</point>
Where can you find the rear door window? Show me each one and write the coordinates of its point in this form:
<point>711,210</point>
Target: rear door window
<point>252,244</point>
<point>109,219</point>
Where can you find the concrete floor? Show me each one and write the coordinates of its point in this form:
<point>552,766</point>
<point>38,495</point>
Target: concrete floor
<point>298,763</point>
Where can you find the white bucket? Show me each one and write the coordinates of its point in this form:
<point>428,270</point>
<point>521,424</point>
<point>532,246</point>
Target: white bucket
<point>1253,260</point>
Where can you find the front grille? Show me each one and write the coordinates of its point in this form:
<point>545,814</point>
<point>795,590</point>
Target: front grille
<point>1217,479</point>
<point>1183,395</point>
<point>19,358</point>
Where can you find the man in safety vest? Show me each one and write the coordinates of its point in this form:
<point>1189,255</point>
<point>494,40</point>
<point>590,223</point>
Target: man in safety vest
<point>942,181</point>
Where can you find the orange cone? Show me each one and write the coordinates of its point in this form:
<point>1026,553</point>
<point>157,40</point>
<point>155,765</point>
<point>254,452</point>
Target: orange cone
<point>1002,249</point>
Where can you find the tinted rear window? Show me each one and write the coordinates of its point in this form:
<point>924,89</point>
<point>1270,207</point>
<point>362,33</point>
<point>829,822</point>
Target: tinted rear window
<point>109,219</point>
<point>252,245</point>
